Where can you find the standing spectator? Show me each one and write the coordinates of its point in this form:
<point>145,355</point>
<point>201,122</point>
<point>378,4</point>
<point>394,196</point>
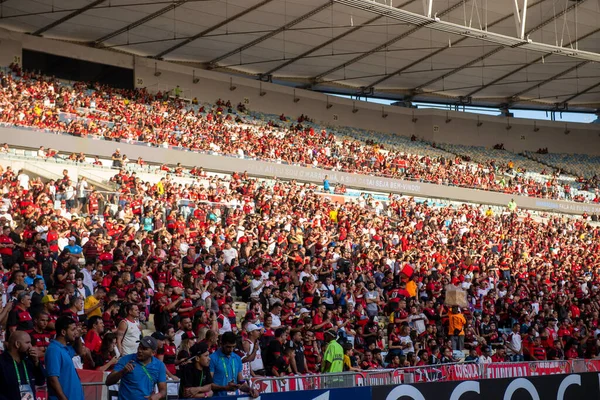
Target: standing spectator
<point>326,185</point>
<point>514,344</point>
<point>251,346</point>
<point>372,298</point>
<point>226,369</point>
<point>140,373</point>
<point>538,352</point>
<point>82,194</point>
<point>299,361</point>
<point>23,179</point>
<point>20,369</point>
<point>117,159</point>
<point>19,317</point>
<point>275,350</point>
<point>93,304</point>
<point>70,196</point>
<point>457,322</point>
<point>40,335</point>
<point>129,331</point>
<point>63,381</point>
<point>93,337</point>
<point>333,359</point>
<point>196,379</point>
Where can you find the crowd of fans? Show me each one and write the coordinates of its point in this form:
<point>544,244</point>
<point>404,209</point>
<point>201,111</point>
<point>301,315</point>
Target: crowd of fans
<point>277,274</point>
<point>305,271</point>
<point>136,115</point>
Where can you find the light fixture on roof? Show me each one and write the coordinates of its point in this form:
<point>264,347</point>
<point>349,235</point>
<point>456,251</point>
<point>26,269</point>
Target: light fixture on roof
<point>231,85</point>
<point>535,127</point>
<point>194,79</point>
<point>414,119</point>
<point>567,130</point>
<point>508,125</point>
<point>383,113</point>
<point>354,109</point>
<point>329,105</point>
<point>479,123</point>
<point>261,92</point>
<point>448,119</point>
<point>157,73</point>
<point>296,99</point>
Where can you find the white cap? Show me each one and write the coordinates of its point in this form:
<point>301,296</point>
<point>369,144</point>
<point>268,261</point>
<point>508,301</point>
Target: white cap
<point>72,238</point>
<point>304,310</point>
<point>252,328</point>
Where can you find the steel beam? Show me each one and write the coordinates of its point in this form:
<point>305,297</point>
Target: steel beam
<point>213,63</point>
<point>212,29</point>
<point>67,17</point>
<point>495,51</point>
<point>524,66</point>
<point>546,81</point>
<point>330,41</point>
<point>428,56</point>
<point>427,7</point>
<point>386,44</point>
<point>523,20</point>
<point>576,95</point>
<point>140,21</point>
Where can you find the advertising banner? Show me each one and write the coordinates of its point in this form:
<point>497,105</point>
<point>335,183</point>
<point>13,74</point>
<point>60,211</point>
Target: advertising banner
<point>555,387</point>
<point>513,370</point>
<point>363,393</point>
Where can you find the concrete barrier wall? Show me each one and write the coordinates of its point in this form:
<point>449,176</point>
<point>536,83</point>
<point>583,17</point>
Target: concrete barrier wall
<point>66,143</point>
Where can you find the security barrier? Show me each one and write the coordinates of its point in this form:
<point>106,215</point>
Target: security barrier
<point>97,390</point>
<point>309,382</point>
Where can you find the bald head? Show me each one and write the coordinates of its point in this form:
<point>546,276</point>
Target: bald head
<point>18,336</point>
<point>19,342</point>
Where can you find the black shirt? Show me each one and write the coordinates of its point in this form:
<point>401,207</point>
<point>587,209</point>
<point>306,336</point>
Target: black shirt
<point>193,377</point>
<point>21,319</point>
<point>8,376</point>
<point>273,353</point>
<point>36,302</point>
<point>299,356</point>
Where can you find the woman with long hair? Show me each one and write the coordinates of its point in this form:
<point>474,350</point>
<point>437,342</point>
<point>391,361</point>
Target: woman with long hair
<point>106,359</point>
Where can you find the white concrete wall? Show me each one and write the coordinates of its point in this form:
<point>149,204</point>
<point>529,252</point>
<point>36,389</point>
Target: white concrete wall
<point>11,48</point>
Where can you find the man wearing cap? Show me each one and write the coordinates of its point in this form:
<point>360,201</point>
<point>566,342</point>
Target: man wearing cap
<point>140,373</point>
<point>253,351</point>
<point>333,359</point>
<point>196,379</point>
<point>50,307</point>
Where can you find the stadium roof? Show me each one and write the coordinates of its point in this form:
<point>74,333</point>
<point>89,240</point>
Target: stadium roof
<point>516,53</point>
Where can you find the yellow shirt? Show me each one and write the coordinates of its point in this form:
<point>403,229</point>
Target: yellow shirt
<point>90,302</point>
<point>333,215</point>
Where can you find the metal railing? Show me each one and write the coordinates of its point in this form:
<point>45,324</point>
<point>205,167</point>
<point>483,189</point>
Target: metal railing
<point>421,374</point>
<point>426,373</point>
<point>309,382</point>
